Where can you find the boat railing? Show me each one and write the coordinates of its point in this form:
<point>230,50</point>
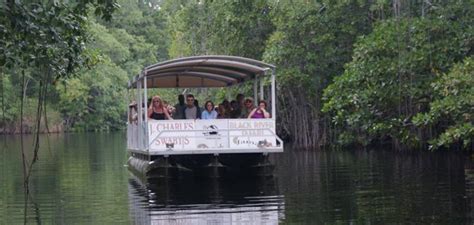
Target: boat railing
<point>136,134</point>
<point>205,136</point>
<point>279,142</point>
<point>228,130</point>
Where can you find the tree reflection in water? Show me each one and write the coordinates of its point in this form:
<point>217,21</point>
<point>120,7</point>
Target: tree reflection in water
<point>27,171</point>
<point>469,176</point>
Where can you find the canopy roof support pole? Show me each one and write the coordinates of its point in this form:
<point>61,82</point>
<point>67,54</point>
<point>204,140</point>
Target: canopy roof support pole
<point>255,91</point>
<point>140,112</point>
<point>261,88</point>
<point>273,95</point>
<point>145,97</point>
<point>129,121</point>
<point>128,108</point>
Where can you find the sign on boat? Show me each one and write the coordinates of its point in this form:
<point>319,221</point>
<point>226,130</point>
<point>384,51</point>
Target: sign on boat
<point>170,148</point>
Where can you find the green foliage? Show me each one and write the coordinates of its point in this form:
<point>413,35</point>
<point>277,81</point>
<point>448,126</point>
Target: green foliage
<point>453,107</point>
<point>107,43</point>
<point>49,36</point>
<point>128,51</point>
<point>388,80</point>
<point>311,43</point>
<point>219,27</point>
<point>145,22</point>
<point>44,42</point>
<point>314,40</point>
<point>9,109</point>
<point>94,99</point>
<point>141,53</point>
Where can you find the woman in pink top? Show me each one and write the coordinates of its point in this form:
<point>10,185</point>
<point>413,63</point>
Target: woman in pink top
<point>260,112</point>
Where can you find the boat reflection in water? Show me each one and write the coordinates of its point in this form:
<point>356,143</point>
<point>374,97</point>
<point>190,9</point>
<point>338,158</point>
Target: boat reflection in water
<point>249,201</point>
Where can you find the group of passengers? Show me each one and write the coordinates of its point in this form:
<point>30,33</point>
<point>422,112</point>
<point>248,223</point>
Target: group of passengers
<point>241,107</point>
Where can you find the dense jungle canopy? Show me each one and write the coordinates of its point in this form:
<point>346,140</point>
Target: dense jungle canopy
<point>349,72</point>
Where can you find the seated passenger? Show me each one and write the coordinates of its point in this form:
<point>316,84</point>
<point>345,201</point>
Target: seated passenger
<point>157,110</point>
<point>149,102</point>
<point>133,113</point>
<point>260,112</point>
<point>191,111</point>
<point>235,111</point>
<point>227,107</point>
<point>200,109</point>
<point>179,108</point>
<point>248,108</point>
<point>221,112</point>
<point>209,112</point>
<point>240,99</point>
<point>169,107</point>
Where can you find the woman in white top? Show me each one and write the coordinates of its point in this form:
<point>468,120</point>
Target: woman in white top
<point>209,113</point>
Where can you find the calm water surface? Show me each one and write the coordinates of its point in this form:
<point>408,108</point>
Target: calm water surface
<point>81,179</point>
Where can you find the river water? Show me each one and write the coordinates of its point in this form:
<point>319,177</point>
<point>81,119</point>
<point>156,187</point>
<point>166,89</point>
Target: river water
<point>81,179</point>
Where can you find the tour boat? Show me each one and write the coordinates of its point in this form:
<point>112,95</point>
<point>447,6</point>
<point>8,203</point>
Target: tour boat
<point>213,147</point>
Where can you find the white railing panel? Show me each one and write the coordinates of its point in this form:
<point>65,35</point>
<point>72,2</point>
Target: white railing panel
<point>209,135</point>
<point>132,136</point>
<point>252,133</point>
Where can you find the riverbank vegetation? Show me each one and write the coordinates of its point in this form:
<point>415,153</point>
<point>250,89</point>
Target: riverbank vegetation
<point>391,72</point>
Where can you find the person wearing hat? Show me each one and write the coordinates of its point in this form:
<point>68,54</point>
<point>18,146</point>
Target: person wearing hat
<point>133,113</point>
<point>248,107</point>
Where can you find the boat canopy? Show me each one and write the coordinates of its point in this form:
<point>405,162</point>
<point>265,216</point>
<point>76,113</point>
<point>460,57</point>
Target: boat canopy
<point>201,71</point>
